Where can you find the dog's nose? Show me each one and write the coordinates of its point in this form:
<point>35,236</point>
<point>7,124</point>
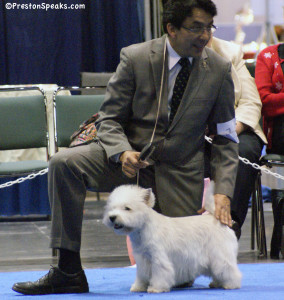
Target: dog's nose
<point>112,218</point>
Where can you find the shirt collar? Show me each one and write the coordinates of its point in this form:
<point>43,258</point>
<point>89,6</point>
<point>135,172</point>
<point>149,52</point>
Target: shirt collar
<point>173,57</point>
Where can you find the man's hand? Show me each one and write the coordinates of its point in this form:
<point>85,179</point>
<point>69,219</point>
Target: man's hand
<point>130,163</point>
<point>223,209</point>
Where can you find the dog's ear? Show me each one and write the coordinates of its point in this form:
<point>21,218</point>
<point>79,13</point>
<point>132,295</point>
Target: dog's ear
<point>149,198</point>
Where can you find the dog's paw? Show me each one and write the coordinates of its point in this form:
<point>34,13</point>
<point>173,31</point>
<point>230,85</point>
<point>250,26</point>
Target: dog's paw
<point>226,286</point>
<point>231,286</point>
<point>138,288</point>
<point>152,289</point>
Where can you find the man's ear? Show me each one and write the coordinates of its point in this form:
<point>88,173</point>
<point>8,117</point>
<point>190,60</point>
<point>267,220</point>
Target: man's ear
<point>171,30</point>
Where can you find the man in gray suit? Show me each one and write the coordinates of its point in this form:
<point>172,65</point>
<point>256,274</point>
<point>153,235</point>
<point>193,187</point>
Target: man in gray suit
<point>139,107</point>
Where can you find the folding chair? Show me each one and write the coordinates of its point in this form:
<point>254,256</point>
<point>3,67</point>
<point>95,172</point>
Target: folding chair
<point>257,219</point>
<point>95,79</point>
<point>277,241</point>
<point>71,111</point>
<point>23,124</point>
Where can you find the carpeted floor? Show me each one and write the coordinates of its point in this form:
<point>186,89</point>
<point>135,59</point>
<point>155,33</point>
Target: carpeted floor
<point>260,281</point>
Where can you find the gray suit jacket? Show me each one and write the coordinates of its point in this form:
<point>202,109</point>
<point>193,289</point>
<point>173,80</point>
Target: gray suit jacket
<point>128,114</point>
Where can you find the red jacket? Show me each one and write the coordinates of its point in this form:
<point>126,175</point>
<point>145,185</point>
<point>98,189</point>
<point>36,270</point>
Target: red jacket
<point>269,80</point>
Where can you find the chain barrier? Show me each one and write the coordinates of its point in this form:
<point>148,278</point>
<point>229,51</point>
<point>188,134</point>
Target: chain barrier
<point>208,139</point>
<point>22,179</point>
<point>254,165</point>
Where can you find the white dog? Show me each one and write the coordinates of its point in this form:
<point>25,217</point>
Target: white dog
<point>173,251</point>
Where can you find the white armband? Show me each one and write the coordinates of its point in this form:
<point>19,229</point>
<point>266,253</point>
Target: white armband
<point>228,130</point>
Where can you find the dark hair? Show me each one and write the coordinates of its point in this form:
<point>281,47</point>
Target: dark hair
<point>176,11</point>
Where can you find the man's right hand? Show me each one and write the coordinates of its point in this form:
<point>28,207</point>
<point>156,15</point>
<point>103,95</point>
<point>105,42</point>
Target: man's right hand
<point>131,164</point>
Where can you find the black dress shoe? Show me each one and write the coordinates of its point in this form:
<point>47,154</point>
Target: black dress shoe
<point>55,282</point>
<point>237,229</point>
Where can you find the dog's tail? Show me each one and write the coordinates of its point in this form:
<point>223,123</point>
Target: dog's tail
<point>209,202</point>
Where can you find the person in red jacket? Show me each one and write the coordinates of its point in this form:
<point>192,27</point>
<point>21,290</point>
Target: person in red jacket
<point>269,78</point>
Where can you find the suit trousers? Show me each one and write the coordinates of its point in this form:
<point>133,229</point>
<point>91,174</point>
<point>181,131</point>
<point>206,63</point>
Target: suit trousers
<point>250,147</point>
<point>71,173</point>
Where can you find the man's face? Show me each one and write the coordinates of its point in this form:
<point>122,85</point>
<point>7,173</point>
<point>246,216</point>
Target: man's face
<point>194,34</point>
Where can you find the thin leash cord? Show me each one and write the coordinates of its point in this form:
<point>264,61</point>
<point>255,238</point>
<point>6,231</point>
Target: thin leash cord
<point>159,102</point>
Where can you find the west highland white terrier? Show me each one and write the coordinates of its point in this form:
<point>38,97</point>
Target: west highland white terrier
<point>173,251</point>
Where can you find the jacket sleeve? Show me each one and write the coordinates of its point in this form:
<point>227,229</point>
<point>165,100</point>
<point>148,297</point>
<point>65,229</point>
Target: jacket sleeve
<point>116,109</point>
<point>224,155</point>
<point>249,100</point>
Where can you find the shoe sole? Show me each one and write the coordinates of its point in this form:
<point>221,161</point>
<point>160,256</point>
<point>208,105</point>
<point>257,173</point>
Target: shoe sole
<point>69,290</point>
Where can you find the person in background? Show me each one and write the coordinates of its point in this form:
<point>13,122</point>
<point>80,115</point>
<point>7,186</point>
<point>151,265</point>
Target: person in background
<point>269,78</point>
<point>251,137</point>
<point>196,91</point>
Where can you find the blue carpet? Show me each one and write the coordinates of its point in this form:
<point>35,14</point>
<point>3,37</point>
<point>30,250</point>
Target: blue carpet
<point>260,281</point>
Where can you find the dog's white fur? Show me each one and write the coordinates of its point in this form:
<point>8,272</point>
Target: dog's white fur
<point>173,251</point>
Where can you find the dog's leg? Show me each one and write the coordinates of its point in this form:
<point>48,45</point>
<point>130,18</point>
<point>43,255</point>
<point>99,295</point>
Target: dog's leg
<point>142,275</point>
<point>163,275</point>
<point>233,280</point>
<point>139,285</point>
<point>228,278</point>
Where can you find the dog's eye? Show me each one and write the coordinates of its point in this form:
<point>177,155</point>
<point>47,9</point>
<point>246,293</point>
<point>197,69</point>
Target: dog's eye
<point>126,208</point>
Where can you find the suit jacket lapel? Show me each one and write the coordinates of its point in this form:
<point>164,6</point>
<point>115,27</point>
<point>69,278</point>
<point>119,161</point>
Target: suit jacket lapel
<point>199,70</point>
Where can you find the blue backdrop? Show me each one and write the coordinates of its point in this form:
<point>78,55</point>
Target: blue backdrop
<point>27,198</point>
<point>54,46</point>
